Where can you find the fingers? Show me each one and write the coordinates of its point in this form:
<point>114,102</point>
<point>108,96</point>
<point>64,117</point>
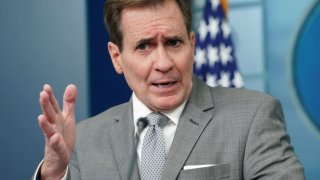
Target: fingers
<point>46,127</point>
<point>69,100</point>
<point>53,100</point>
<point>47,107</point>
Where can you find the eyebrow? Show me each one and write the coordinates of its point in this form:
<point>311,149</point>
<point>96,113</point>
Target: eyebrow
<point>148,40</point>
<point>176,37</point>
<point>143,41</point>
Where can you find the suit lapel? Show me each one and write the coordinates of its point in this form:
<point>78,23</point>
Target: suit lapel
<point>122,141</point>
<point>193,121</point>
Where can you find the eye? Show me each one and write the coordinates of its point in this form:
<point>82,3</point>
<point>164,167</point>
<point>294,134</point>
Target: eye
<point>173,42</point>
<point>143,47</point>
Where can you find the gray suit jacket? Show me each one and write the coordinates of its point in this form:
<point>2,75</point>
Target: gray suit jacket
<point>242,132</point>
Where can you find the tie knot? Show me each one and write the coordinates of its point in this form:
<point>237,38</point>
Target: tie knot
<point>157,118</point>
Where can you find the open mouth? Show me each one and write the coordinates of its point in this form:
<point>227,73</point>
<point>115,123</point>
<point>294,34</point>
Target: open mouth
<point>164,84</point>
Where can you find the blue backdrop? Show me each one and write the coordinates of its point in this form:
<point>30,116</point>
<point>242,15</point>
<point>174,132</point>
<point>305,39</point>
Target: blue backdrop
<point>306,65</point>
<point>106,87</point>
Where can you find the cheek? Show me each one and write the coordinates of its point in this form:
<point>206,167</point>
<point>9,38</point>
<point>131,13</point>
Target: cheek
<point>185,65</point>
<point>135,73</point>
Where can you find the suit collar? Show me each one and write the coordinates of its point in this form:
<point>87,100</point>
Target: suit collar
<point>197,114</point>
<point>122,141</point>
<point>201,95</point>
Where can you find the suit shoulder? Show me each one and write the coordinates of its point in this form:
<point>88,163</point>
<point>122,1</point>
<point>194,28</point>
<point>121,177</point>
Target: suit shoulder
<point>204,96</point>
<point>239,95</point>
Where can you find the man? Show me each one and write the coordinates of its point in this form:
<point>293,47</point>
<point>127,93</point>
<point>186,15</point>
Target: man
<point>209,133</point>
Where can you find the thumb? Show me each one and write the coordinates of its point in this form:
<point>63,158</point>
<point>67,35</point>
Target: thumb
<point>69,100</point>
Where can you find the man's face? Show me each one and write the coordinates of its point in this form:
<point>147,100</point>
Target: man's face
<point>157,56</point>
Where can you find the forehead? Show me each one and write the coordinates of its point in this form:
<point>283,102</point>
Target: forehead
<point>165,18</point>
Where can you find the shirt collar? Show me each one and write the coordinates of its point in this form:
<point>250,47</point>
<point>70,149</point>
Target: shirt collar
<point>141,110</point>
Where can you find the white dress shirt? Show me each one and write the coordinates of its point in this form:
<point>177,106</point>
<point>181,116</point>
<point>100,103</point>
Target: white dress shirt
<point>140,110</point>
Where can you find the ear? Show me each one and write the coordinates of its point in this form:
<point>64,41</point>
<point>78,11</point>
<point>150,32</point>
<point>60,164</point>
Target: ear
<point>115,57</point>
<point>192,39</point>
<point>192,43</point>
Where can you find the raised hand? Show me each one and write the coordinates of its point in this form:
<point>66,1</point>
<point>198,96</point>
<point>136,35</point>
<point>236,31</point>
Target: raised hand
<point>59,130</point>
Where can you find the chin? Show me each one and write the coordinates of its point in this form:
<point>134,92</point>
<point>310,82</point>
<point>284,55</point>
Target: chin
<point>168,104</point>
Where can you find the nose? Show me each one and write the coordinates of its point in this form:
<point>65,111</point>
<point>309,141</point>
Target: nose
<point>163,61</point>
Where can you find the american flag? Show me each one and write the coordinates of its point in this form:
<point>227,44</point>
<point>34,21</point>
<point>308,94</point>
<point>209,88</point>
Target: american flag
<point>215,61</point>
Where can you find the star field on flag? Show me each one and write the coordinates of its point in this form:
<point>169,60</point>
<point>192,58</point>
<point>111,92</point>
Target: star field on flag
<point>215,62</point>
